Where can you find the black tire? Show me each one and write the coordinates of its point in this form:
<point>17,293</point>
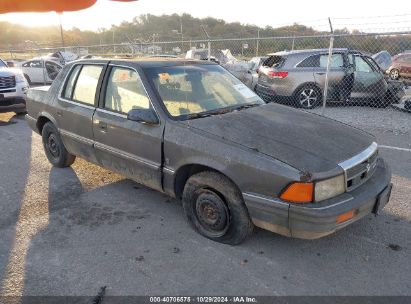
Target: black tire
<point>54,148</point>
<point>215,208</point>
<point>27,78</point>
<point>308,97</point>
<point>395,74</point>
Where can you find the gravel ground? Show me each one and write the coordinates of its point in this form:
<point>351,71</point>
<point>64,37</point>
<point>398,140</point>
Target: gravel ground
<point>71,231</point>
<point>373,120</point>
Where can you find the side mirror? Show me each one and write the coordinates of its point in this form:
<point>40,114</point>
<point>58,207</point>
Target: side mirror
<point>145,116</point>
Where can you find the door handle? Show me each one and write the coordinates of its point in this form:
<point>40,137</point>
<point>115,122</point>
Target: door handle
<point>102,126</point>
<point>320,73</point>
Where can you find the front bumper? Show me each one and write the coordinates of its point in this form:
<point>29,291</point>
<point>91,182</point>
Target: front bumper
<point>316,220</point>
<point>13,99</point>
<point>12,104</point>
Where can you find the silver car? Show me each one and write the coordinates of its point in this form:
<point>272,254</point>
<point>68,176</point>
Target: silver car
<point>299,78</point>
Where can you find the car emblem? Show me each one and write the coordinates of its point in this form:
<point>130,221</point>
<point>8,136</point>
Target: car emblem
<point>368,167</point>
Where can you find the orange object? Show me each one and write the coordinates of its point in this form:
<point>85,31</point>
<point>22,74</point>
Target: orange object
<point>345,216</point>
<point>40,6</point>
<point>299,193</point>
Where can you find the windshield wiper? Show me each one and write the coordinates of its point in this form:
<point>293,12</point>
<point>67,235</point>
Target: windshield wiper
<point>246,106</point>
<point>220,111</point>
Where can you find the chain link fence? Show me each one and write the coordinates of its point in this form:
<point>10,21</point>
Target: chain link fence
<point>363,81</point>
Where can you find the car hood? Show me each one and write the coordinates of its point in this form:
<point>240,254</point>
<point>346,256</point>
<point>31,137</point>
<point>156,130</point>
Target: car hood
<point>305,141</point>
<point>7,72</point>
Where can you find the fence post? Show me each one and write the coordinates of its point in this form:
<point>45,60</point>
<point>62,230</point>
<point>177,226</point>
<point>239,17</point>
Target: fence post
<point>330,50</point>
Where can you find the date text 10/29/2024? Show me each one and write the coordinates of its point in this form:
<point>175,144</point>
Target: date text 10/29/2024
<point>205,299</point>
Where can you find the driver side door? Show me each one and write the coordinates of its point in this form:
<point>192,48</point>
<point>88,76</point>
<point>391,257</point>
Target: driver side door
<point>134,149</point>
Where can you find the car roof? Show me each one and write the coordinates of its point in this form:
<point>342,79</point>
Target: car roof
<point>147,62</point>
<point>311,51</point>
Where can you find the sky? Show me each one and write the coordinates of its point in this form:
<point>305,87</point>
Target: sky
<point>353,14</point>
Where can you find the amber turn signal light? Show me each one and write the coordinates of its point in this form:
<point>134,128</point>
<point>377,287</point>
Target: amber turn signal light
<point>299,193</point>
<point>345,216</point>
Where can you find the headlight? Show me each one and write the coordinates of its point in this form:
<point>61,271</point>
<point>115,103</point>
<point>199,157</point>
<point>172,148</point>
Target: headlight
<point>329,188</point>
<point>303,193</point>
<point>20,78</point>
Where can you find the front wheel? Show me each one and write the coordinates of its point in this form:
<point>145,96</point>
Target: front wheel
<point>308,97</point>
<point>54,148</point>
<point>215,208</point>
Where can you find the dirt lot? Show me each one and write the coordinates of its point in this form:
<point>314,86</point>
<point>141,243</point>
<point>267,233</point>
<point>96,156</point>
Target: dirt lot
<point>71,231</point>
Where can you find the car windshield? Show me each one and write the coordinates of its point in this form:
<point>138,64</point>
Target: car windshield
<point>192,91</point>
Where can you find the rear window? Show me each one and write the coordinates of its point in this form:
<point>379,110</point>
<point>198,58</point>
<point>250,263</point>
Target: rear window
<point>81,85</point>
<point>86,85</point>
<point>274,61</point>
<point>320,61</point>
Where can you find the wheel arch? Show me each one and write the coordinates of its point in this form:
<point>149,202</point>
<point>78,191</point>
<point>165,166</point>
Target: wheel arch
<point>186,171</point>
<point>309,83</point>
<point>43,119</point>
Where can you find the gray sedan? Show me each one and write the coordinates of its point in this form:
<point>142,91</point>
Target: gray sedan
<point>193,131</point>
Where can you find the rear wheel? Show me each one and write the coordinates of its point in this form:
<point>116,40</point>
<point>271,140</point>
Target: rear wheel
<point>394,74</point>
<point>308,97</point>
<point>215,208</point>
<point>54,148</point>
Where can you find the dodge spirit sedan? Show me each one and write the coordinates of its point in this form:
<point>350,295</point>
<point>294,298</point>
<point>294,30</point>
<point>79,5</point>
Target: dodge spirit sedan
<point>192,130</point>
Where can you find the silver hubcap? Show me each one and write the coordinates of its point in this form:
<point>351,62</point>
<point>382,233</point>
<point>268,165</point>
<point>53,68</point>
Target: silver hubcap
<point>308,98</point>
<point>395,74</point>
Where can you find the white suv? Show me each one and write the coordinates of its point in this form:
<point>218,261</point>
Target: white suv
<point>13,89</point>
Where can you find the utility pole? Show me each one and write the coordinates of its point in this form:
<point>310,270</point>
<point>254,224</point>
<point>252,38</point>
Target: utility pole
<point>114,47</point>
<point>154,37</point>
<point>209,42</point>
<point>330,53</point>
<point>61,29</point>
<point>181,31</point>
<point>258,43</point>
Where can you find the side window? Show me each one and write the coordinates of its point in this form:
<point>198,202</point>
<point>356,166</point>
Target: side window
<point>125,91</point>
<point>336,61</point>
<point>362,66</point>
<point>274,61</point>
<point>86,84</point>
<point>34,64</point>
<point>310,62</point>
<point>68,90</point>
<point>52,69</point>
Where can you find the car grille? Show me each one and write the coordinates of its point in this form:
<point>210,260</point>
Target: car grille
<point>361,167</point>
<point>7,82</point>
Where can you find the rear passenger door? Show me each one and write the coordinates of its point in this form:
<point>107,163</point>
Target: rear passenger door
<point>34,69</point>
<point>75,108</point>
<point>369,82</point>
<point>131,148</point>
<point>336,73</point>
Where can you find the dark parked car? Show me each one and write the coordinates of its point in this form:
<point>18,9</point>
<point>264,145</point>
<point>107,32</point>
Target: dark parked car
<point>298,77</point>
<point>401,66</point>
<point>193,131</point>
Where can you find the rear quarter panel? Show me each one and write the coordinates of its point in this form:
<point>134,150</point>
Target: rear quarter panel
<point>41,101</point>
